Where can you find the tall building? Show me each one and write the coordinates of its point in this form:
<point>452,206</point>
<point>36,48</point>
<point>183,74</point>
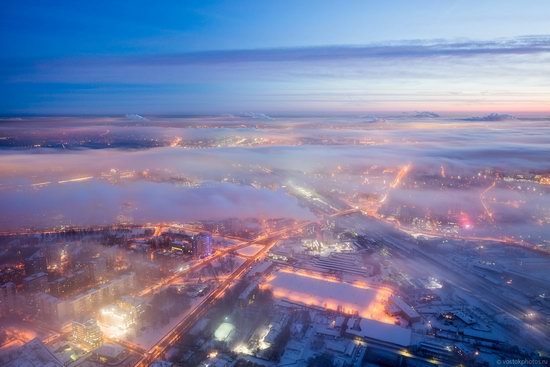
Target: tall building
<point>7,298</point>
<point>13,274</point>
<point>79,305</point>
<point>35,263</point>
<point>87,334</point>
<point>97,268</point>
<point>71,282</point>
<point>37,282</point>
<point>202,245</point>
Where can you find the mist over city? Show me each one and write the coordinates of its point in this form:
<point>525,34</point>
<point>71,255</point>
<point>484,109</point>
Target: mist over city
<point>302,184</point>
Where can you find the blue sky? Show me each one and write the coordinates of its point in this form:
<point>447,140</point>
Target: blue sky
<point>170,57</point>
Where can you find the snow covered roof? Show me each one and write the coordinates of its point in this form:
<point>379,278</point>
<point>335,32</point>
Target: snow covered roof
<point>376,330</point>
<point>109,350</point>
<point>328,294</point>
<point>32,354</point>
<point>224,331</point>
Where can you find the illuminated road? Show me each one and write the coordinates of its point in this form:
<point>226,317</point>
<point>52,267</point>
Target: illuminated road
<point>415,232</point>
<point>268,240</point>
<point>401,174</point>
<point>219,253</point>
<point>478,287</point>
<point>158,230</point>
<point>175,333</point>
<point>166,281</point>
<point>482,200</point>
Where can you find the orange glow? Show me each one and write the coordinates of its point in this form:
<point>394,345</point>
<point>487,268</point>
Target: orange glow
<point>403,171</point>
<point>23,335</point>
<point>78,179</point>
<point>482,199</point>
<point>45,183</point>
<point>400,176</point>
<point>374,309</point>
<point>158,230</point>
<point>176,142</point>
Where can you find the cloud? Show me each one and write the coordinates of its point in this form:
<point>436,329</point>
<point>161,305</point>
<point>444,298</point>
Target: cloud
<point>491,117</point>
<point>426,114</point>
<point>135,117</point>
<point>257,116</point>
<point>99,203</point>
<point>307,150</point>
<point>397,76</point>
<point>391,50</point>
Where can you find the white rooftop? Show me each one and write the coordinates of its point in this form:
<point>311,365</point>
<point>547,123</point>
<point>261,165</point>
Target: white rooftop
<point>32,354</point>
<point>329,294</point>
<point>375,330</point>
<point>224,331</point>
<point>109,350</point>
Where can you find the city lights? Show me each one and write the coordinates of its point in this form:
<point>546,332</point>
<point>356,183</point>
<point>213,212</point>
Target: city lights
<point>236,184</point>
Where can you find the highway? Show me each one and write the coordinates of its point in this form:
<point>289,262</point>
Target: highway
<point>177,331</point>
<point>478,287</point>
<point>219,253</point>
<point>468,283</point>
<point>269,238</point>
<point>158,229</point>
<point>201,309</point>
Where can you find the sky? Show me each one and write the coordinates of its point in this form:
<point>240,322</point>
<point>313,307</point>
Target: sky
<point>275,57</point>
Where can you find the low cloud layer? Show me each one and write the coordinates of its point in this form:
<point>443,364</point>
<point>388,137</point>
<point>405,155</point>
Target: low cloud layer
<point>212,174</point>
<point>99,203</point>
